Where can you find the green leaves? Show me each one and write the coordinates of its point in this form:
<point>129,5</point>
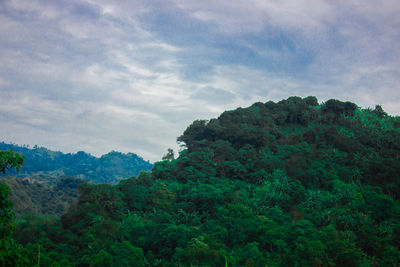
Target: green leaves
<point>10,159</point>
<point>126,255</point>
<point>10,252</point>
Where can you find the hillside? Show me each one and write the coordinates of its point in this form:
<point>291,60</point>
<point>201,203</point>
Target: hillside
<point>293,183</point>
<point>42,195</point>
<point>109,168</point>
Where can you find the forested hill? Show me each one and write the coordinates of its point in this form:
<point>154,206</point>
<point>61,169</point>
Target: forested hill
<point>109,168</point>
<point>42,195</point>
<point>293,183</point>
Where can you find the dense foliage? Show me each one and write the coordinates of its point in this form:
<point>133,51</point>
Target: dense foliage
<point>109,168</point>
<point>293,183</point>
<point>10,251</point>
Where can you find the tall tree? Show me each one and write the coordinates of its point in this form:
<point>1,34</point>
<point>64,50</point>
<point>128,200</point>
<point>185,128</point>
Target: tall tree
<point>10,252</point>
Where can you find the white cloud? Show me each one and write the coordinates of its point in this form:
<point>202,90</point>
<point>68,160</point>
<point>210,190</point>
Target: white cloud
<point>240,17</point>
<point>36,7</point>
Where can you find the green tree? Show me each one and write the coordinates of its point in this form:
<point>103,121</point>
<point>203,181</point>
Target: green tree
<point>100,259</point>
<point>170,155</point>
<point>10,251</point>
<point>9,160</point>
<point>125,254</point>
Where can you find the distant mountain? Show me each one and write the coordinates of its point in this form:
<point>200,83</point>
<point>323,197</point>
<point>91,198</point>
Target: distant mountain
<point>109,168</point>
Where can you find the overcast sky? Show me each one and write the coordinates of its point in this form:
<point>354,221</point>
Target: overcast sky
<point>131,75</point>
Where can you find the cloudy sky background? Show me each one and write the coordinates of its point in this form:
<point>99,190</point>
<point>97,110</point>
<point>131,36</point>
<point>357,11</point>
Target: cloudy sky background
<point>132,75</point>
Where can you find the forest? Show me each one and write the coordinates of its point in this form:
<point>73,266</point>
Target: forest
<point>288,183</point>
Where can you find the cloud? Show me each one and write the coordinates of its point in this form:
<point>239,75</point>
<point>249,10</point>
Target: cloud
<point>254,16</point>
<point>213,95</point>
<point>132,75</point>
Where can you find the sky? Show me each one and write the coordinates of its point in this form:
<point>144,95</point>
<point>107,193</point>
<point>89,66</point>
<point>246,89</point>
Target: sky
<point>132,75</point>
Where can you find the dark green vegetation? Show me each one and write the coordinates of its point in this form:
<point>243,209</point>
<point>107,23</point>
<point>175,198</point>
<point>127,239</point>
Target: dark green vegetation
<point>109,168</point>
<point>42,194</point>
<point>10,251</point>
<point>292,183</point>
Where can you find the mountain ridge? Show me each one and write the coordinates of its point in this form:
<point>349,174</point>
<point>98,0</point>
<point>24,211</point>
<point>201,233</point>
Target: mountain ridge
<point>108,168</point>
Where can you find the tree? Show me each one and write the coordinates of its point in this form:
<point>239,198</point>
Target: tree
<point>170,155</point>
<point>379,111</point>
<point>10,252</point>
<point>9,159</point>
<point>125,254</point>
